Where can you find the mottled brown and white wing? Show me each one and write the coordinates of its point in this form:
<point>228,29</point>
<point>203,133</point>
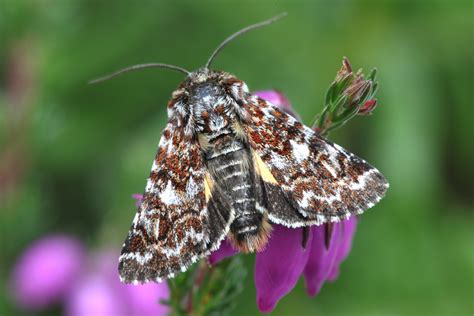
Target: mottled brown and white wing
<point>308,179</point>
<point>177,222</point>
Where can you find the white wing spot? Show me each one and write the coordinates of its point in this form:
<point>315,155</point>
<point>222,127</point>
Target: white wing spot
<point>149,185</point>
<point>362,180</point>
<point>154,167</point>
<point>168,196</point>
<point>307,195</point>
<point>278,162</point>
<point>330,168</point>
<point>192,188</point>
<point>300,151</point>
<point>141,259</point>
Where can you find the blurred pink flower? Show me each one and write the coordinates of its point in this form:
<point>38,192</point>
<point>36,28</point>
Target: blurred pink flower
<point>46,270</point>
<point>93,295</point>
<point>56,269</point>
<point>279,99</point>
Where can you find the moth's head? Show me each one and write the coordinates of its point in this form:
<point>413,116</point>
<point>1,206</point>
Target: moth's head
<point>205,83</point>
<point>207,90</point>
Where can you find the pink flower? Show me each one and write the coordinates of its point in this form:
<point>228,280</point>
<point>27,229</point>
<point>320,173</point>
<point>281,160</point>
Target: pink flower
<point>56,269</point>
<point>100,292</point>
<point>46,270</point>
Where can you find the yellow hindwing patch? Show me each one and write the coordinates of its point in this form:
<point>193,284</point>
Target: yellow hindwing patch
<point>208,184</point>
<point>262,169</point>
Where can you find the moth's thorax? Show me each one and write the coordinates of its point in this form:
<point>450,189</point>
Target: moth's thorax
<point>211,107</point>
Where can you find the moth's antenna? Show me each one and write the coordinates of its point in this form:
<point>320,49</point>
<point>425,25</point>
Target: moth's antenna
<point>242,31</point>
<point>138,67</point>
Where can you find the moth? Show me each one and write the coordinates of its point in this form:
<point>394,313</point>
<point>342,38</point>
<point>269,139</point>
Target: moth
<point>229,165</point>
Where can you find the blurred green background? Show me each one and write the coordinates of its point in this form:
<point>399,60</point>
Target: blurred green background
<point>72,154</point>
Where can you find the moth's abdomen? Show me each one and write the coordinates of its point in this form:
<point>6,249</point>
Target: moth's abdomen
<point>230,163</point>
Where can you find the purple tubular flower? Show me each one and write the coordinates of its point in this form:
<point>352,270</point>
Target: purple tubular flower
<point>46,270</point>
<point>280,265</point>
<point>345,240</point>
<point>224,251</point>
<point>322,259</point>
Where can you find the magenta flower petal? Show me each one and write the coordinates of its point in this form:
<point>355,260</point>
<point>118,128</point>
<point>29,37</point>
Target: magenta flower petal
<point>348,231</point>
<point>277,98</point>
<point>138,198</point>
<point>225,250</point>
<point>145,299</point>
<point>321,260</point>
<point>141,299</point>
<point>46,270</point>
<point>279,266</point>
<point>94,295</point>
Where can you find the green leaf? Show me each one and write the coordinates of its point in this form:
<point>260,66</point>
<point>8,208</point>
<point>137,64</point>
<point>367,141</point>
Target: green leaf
<point>321,119</point>
<point>341,86</point>
<point>366,95</point>
<point>225,284</point>
<point>346,115</point>
<point>341,101</point>
<point>204,290</point>
<point>372,74</point>
<point>329,94</point>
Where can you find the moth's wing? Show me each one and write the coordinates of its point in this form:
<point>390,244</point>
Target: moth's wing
<point>179,220</point>
<point>307,179</point>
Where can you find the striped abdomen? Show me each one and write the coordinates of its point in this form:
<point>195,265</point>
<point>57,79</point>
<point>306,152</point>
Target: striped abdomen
<point>231,166</point>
